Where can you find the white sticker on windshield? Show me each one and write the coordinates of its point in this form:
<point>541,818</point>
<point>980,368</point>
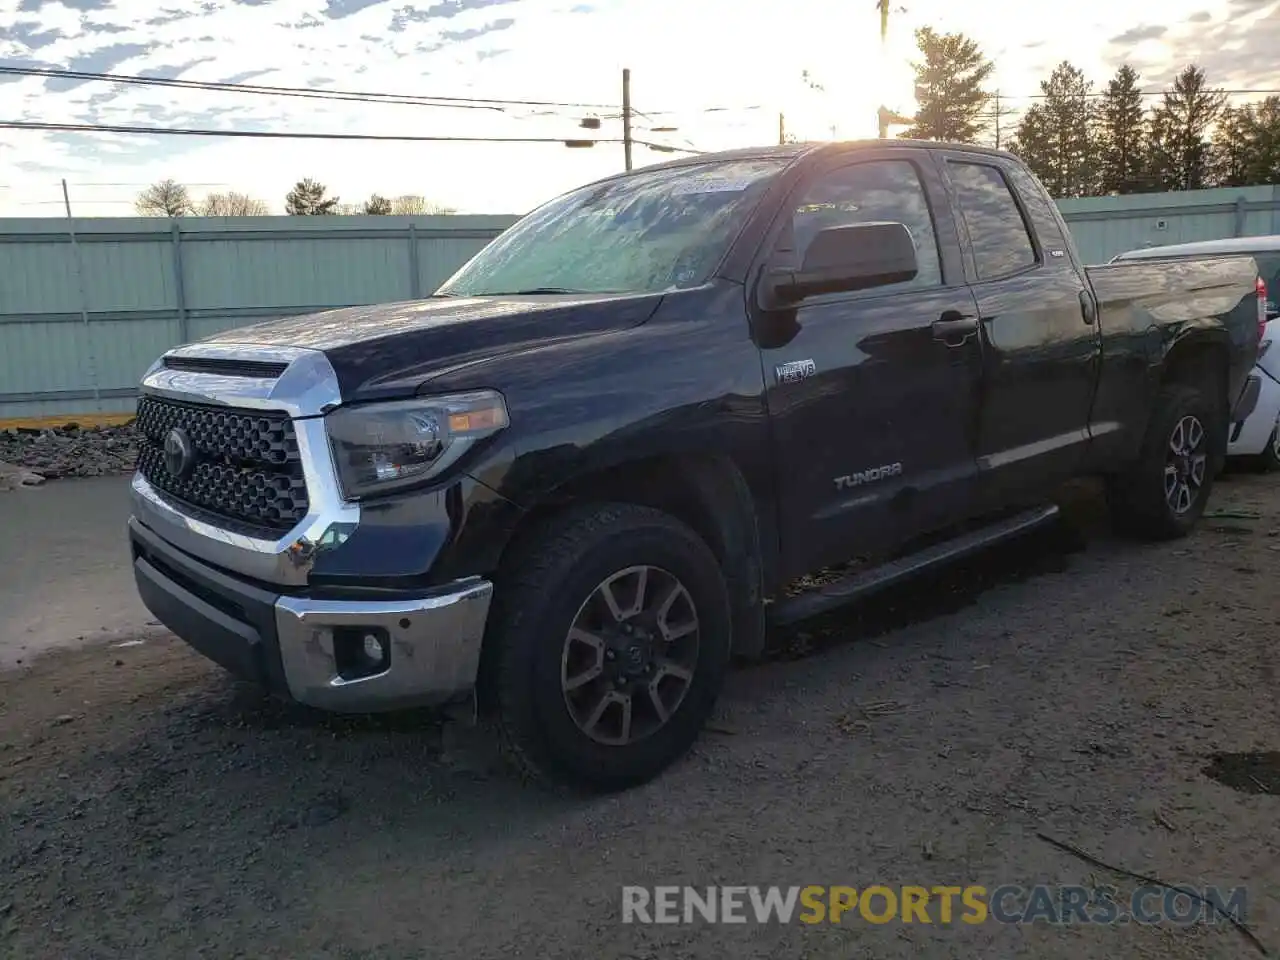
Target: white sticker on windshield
<point>710,185</point>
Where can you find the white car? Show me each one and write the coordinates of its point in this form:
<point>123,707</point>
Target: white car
<point>1257,437</point>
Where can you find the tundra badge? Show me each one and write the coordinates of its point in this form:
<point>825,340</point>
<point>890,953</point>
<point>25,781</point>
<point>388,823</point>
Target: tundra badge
<point>795,370</point>
<point>868,476</point>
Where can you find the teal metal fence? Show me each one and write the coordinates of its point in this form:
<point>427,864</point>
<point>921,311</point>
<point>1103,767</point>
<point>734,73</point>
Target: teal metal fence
<point>86,305</point>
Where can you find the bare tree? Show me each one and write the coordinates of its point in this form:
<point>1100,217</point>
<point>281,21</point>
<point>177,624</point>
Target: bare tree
<point>232,204</point>
<point>168,198</point>
<point>411,204</point>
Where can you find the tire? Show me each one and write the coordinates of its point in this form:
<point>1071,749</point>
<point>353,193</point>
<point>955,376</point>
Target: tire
<point>1139,500</point>
<point>554,583</point>
<point>1268,461</point>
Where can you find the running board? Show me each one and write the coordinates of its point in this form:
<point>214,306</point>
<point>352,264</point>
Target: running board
<point>866,582</point>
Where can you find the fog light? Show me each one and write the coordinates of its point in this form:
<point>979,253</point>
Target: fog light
<point>360,652</point>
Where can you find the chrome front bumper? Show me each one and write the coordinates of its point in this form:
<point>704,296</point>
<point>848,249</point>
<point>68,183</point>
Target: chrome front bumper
<point>434,648</point>
<point>287,643</point>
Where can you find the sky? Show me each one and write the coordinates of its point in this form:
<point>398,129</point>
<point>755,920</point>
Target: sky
<point>719,71</point>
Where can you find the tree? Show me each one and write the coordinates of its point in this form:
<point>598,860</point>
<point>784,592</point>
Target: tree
<point>949,91</point>
<point>1122,135</point>
<point>1180,156</point>
<point>232,204</point>
<point>168,198</point>
<point>1246,145</point>
<point>307,199</point>
<point>410,204</point>
<point>1056,137</point>
<point>377,206</point>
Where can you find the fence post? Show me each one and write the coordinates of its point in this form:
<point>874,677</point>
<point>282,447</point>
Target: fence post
<point>415,282</point>
<point>1241,213</point>
<point>179,281</point>
<point>78,260</point>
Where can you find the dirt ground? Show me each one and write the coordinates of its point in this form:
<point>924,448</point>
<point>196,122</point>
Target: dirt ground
<point>1069,684</point>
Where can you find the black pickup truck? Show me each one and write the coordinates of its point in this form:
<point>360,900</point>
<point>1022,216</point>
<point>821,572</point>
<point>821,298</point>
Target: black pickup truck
<point>579,478</point>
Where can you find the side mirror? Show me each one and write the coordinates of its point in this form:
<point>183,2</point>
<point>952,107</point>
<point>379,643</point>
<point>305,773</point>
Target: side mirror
<point>841,259</point>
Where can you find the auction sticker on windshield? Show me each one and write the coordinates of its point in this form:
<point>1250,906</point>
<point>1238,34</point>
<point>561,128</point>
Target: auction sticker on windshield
<point>706,184</point>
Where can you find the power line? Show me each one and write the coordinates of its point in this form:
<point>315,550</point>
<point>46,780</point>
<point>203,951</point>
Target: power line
<point>474,103</point>
<point>1141,93</point>
<point>289,135</point>
<point>360,96</point>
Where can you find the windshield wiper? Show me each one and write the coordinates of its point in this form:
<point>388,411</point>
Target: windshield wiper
<point>532,291</point>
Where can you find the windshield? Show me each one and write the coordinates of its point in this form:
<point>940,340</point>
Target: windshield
<point>644,233</point>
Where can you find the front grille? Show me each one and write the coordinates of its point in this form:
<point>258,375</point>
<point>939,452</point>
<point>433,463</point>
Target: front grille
<point>247,467</point>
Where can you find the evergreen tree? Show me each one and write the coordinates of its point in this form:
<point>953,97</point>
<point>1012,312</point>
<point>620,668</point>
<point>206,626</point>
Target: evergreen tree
<point>1246,145</point>
<point>949,88</point>
<point>1180,125</point>
<point>307,199</point>
<point>1056,137</point>
<point>1122,135</point>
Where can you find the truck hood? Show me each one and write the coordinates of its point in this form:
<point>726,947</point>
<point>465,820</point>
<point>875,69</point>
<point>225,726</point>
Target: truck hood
<point>384,350</point>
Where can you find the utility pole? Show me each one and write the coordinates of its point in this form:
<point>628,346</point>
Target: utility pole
<point>882,116</point>
<point>66,198</point>
<point>782,128</point>
<point>626,115</point>
<point>997,119</point>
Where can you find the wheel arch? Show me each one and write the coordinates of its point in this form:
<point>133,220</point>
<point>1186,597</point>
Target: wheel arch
<point>1203,356</point>
<point>707,492</point>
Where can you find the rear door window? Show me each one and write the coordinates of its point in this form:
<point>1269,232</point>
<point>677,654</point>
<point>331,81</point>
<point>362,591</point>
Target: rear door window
<point>1001,242</point>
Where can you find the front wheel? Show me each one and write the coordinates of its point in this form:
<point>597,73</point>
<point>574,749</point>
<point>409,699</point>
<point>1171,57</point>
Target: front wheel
<point>1164,494</point>
<point>607,647</point>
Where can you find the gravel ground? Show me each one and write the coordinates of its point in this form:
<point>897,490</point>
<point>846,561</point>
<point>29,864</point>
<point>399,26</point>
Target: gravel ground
<point>27,457</point>
<point>1069,683</point>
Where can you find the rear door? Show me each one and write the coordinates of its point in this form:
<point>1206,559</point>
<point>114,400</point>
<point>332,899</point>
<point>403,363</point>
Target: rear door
<point>1041,345</point>
<point>872,394</point>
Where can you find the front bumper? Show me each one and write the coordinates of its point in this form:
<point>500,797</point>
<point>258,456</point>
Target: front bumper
<point>290,643</point>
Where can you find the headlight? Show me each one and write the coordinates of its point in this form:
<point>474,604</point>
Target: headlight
<point>385,446</point>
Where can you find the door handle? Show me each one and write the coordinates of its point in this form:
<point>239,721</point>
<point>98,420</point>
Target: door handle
<point>954,329</point>
<point>1088,308</point>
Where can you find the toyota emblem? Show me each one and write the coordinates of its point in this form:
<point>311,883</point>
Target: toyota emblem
<point>179,454</point>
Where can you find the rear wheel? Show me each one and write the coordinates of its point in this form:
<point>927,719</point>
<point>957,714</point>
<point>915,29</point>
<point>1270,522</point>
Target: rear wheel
<point>1164,494</point>
<point>608,646</point>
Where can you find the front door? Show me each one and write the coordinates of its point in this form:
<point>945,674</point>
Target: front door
<point>872,394</point>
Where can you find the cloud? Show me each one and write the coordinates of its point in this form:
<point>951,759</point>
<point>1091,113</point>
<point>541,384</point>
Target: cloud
<point>101,60</point>
<point>1235,52</point>
<point>338,9</point>
<point>444,10</point>
<point>29,35</point>
<point>35,6</point>
<point>1139,35</point>
<point>454,36</point>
